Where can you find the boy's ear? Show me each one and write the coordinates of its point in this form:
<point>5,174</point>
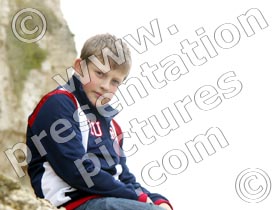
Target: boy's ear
<point>77,66</point>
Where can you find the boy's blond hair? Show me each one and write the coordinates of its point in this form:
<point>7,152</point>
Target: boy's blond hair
<point>95,44</point>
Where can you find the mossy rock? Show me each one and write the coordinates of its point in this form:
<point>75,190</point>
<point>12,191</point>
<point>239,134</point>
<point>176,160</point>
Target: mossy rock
<point>22,57</point>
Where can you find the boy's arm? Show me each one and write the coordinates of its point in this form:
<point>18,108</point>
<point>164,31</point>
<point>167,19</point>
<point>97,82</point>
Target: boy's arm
<point>128,178</point>
<point>57,136</point>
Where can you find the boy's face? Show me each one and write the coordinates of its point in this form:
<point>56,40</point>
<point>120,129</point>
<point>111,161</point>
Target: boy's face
<point>101,84</point>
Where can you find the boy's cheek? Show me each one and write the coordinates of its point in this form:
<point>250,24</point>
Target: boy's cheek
<point>88,86</point>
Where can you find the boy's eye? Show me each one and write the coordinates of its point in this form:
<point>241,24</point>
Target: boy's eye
<point>116,82</point>
<point>99,73</point>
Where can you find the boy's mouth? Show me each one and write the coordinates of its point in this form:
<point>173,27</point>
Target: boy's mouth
<point>97,94</point>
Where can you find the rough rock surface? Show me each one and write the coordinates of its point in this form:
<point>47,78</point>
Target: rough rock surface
<point>13,196</point>
<point>26,71</point>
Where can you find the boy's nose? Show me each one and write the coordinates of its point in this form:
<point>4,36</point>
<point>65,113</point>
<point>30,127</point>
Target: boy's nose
<point>105,85</point>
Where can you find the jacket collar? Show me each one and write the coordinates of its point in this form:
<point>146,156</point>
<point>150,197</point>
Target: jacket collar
<point>106,110</point>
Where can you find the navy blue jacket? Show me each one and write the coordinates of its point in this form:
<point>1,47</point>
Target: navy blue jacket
<point>75,151</point>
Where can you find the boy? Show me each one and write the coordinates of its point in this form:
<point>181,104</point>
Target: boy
<point>76,158</point>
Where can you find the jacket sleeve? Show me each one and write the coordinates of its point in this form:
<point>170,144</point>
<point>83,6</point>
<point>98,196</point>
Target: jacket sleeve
<point>128,178</point>
<point>61,140</point>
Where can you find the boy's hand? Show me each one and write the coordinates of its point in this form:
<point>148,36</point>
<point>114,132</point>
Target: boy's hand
<point>149,200</point>
<point>165,206</point>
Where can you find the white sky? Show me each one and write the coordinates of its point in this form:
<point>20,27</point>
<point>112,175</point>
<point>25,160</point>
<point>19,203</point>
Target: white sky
<point>248,120</point>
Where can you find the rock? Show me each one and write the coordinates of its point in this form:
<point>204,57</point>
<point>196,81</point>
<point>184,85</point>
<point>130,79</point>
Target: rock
<point>13,196</point>
<point>27,69</point>
<point>26,75</point>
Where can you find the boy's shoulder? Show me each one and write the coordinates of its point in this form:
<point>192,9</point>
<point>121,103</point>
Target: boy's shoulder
<point>51,101</point>
<point>58,95</point>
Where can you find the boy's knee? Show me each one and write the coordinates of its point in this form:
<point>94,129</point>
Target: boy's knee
<point>111,203</point>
